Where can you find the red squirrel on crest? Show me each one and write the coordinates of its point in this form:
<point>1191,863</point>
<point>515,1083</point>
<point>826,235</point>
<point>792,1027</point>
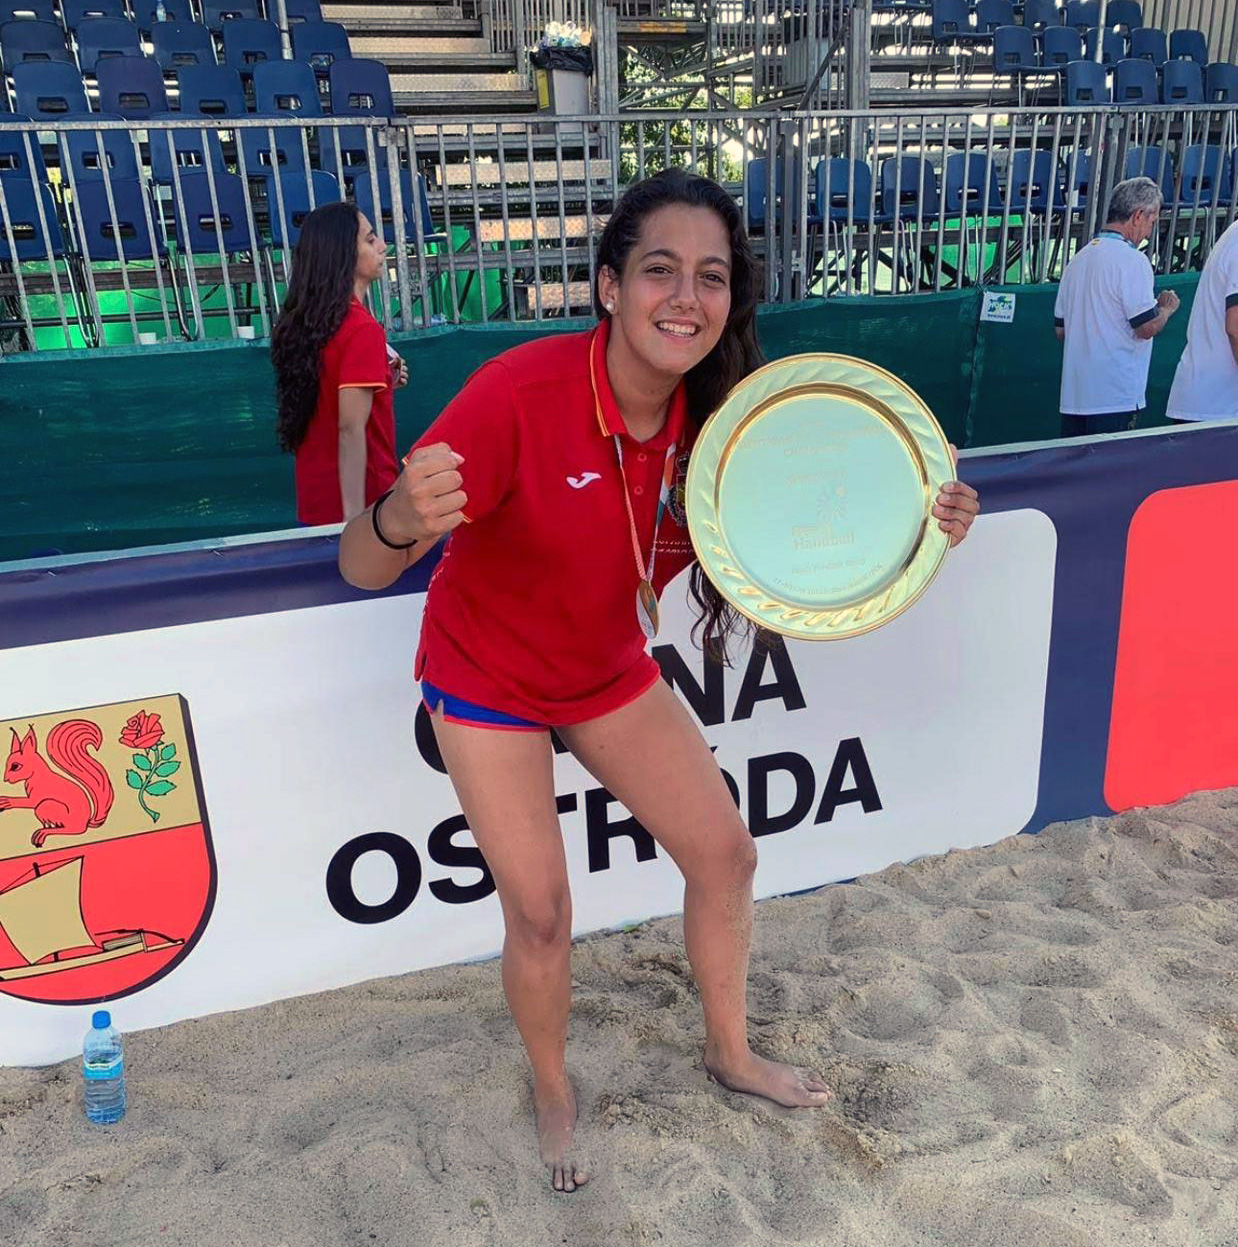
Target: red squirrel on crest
<point>65,805</point>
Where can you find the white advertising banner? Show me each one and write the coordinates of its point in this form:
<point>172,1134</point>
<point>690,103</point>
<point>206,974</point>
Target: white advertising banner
<point>267,817</point>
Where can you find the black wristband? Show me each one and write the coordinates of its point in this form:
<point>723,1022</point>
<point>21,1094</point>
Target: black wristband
<point>378,532</point>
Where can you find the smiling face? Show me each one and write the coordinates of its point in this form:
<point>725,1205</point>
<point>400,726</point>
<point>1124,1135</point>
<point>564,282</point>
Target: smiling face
<point>671,302</point>
<point>371,253</point>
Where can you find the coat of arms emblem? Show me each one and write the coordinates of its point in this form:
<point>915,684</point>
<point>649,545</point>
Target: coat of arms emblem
<point>107,872</point>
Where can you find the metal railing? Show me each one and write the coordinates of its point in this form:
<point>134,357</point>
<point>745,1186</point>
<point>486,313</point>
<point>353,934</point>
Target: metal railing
<point>498,218</point>
<point>787,46</point>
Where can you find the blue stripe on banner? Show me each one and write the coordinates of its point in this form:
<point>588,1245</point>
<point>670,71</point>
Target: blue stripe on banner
<point>65,601</point>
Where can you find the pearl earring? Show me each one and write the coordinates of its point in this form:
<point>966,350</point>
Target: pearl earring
<point>610,307</point>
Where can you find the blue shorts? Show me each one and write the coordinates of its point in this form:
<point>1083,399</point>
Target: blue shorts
<point>457,710</point>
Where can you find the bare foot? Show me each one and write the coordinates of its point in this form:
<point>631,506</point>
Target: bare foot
<point>784,1084</point>
<point>556,1129</point>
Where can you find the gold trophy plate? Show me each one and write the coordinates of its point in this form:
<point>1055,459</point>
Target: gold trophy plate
<point>809,496</point>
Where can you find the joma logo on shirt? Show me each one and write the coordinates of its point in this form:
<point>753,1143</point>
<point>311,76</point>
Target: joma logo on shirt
<point>585,478</point>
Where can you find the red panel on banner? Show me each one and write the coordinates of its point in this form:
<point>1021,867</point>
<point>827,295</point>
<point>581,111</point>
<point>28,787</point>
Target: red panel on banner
<point>1174,729</point>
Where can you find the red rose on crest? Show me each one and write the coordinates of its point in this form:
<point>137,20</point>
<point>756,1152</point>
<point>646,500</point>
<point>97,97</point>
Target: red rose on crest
<point>142,731</point>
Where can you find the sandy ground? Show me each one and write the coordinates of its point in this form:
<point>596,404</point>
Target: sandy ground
<point>1035,1043</point>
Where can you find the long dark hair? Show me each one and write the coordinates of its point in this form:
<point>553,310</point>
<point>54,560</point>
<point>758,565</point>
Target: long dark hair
<point>736,354</point>
<point>324,268</point>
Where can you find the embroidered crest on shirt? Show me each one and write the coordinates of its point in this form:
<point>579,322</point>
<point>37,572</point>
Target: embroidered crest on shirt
<point>676,502</point>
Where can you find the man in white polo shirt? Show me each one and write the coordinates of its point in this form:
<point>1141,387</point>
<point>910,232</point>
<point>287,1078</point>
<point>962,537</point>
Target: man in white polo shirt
<point>1206,383</point>
<point>1107,314</point>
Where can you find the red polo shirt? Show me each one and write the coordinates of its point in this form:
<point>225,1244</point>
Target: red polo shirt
<point>532,609</point>
<point>356,355</point>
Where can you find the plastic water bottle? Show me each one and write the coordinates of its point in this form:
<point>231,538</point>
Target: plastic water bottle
<point>161,13</point>
<point>103,1068</point>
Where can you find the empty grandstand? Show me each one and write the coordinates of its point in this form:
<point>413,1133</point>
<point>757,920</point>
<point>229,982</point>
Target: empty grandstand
<point>156,159</point>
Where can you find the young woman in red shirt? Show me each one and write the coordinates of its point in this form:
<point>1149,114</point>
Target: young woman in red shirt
<point>334,373</point>
<point>552,469</point>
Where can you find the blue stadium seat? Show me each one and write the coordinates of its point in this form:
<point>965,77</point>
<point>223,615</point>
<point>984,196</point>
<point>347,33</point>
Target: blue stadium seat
<point>363,197</point>
<point>211,91</point>
<point>952,22</point>
<point>191,149</point>
<point>974,169</point>
<point>267,148</point>
<point>1207,172</point>
<point>101,37</point>
<point>1182,82</point>
<point>755,188</point>
<point>1149,44</point>
<point>1113,46</point>
<point>286,87</point>
<point>1079,179</point>
<point>1086,83</point>
<point>1155,163</point>
<point>206,225</point>
<point>146,14</point>
<point>216,12</point>
<point>23,40</point>
<point>131,86</point>
<point>321,44</point>
<point>178,44</point>
<point>1188,45</point>
<point>1034,176</point>
<point>81,152</point>
<point>1038,14</point>
<point>290,203</point>
<point>990,14</point>
<point>1060,45</point>
<point>35,236</point>
<point>48,91</point>
<point>129,235</point>
<point>20,160</point>
<point>909,186</point>
<point>298,11</point>
<point>1125,15</point>
<point>1082,14</point>
<point>1014,50</point>
<point>845,187</point>
<point>354,158</point>
<point>1134,82</point>
<point>27,10</point>
<point>75,12</point>
<point>360,88</point>
<point>248,41</point>
<point>1221,83</point>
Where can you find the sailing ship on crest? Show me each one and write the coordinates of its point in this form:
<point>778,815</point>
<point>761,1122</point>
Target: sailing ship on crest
<point>42,916</point>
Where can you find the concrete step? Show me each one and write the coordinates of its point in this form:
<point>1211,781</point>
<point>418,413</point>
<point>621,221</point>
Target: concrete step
<point>354,14</point>
<point>516,139</point>
<point>414,27</point>
<point>941,97</point>
<point>579,297</point>
<point>381,47</point>
<point>437,100</point>
<point>462,66</point>
<point>484,173</point>
<point>549,229</point>
<point>456,83</point>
